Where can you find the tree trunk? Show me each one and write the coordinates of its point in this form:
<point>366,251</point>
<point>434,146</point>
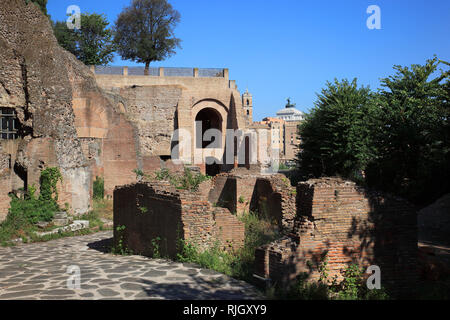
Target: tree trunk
<point>146,70</point>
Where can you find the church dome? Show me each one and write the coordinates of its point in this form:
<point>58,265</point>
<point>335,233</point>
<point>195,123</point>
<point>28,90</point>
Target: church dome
<point>290,113</point>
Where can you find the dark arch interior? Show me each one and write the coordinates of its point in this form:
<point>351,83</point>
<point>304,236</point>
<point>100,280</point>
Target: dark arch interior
<point>210,119</point>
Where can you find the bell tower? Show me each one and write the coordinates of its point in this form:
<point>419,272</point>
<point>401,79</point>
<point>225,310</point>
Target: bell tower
<point>247,104</point>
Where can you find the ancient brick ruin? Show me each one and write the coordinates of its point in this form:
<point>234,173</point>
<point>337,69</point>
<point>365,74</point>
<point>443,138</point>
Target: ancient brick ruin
<point>89,122</point>
<point>243,191</point>
<point>323,217</point>
<point>349,225</point>
<point>156,209</point>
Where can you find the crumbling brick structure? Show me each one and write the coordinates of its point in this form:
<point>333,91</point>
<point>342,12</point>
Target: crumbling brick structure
<point>157,210</point>
<point>242,191</point>
<point>91,123</point>
<point>337,219</point>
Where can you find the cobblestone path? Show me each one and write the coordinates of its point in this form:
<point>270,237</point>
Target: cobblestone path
<point>39,271</point>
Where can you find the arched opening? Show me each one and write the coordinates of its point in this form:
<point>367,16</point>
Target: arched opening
<point>212,167</point>
<point>22,173</point>
<point>205,120</point>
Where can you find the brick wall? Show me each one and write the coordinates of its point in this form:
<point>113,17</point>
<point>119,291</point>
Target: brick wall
<point>350,225</point>
<point>241,192</point>
<point>223,194</point>
<point>171,215</point>
<point>275,197</point>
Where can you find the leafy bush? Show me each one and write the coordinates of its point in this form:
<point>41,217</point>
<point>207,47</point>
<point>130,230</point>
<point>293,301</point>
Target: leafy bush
<point>353,287</point>
<point>237,263</point>
<point>42,208</point>
<point>99,188</point>
<point>395,140</point>
<point>32,208</point>
<point>139,174</point>
<point>48,181</point>
<point>303,290</point>
<point>186,181</point>
<point>29,209</point>
<point>119,247</point>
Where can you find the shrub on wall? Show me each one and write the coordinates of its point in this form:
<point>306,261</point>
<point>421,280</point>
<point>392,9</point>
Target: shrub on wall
<point>31,208</point>
<point>187,181</point>
<point>38,208</point>
<point>28,208</point>
<point>99,188</point>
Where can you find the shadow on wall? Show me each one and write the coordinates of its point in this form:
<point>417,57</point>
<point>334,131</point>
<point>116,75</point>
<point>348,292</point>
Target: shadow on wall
<point>266,202</point>
<point>347,225</point>
<point>147,221</point>
<point>224,193</point>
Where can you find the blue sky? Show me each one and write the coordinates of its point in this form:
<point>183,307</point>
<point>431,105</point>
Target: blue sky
<point>290,48</point>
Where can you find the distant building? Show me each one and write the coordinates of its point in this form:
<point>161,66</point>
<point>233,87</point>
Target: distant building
<point>291,139</point>
<point>283,131</point>
<point>289,113</point>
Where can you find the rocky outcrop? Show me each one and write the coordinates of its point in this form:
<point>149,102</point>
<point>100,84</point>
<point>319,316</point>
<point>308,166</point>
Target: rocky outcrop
<point>40,81</point>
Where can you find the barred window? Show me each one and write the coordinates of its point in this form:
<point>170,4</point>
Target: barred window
<point>8,123</point>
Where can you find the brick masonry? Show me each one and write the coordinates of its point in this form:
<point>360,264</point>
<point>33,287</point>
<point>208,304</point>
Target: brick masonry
<point>171,215</point>
<point>269,195</point>
<point>350,225</point>
<point>201,217</point>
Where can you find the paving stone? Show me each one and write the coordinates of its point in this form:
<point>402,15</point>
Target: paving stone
<point>154,273</point>
<point>131,286</point>
<point>19,294</point>
<point>59,292</point>
<point>209,272</point>
<point>38,271</point>
<point>108,292</point>
<point>175,278</point>
<point>26,287</point>
<point>167,268</point>
<point>87,295</point>
<point>188,272</point>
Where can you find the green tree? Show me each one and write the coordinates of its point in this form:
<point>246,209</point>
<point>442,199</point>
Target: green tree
<point>144,31</point>
<point>335,137</point>
<point>413,139</point>
<point>42,4</point>
<point>92,44</point>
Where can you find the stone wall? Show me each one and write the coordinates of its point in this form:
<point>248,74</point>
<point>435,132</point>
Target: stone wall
<point>39,82</point>
<point>157,105</point>
<point>152,210</point>
<point>153,110</point>
<point>274,197</point>
<point>5,182</point>
<point>271,196</point>
<point>349,225</point>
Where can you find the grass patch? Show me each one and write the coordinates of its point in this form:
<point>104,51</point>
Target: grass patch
<point>18,225</point>
<point>237,263</point>
<point>189,180</point>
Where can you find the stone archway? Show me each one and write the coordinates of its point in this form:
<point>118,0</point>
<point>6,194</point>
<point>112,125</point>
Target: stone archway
<point>208,144</point>
<point>207,119</point>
